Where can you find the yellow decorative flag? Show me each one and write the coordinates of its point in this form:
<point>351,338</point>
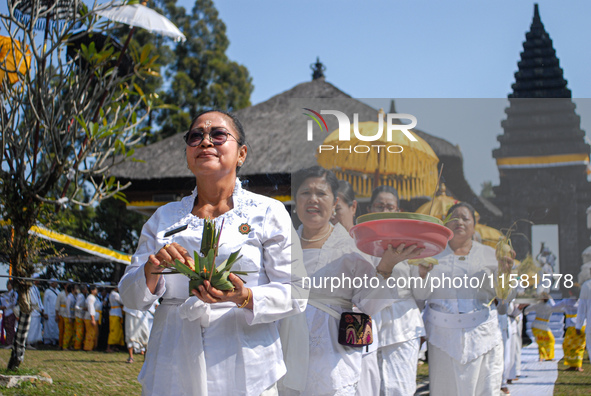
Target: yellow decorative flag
<point>12,63</point>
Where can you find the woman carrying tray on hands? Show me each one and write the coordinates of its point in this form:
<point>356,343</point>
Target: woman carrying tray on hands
<point>400,326</point>
<point>240,352</point>
<point>465,342</point>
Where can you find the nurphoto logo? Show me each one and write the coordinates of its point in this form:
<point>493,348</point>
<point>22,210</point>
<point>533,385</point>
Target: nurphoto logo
<point>345,131</point>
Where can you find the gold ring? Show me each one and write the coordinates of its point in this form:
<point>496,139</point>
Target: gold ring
<point>166,246</point>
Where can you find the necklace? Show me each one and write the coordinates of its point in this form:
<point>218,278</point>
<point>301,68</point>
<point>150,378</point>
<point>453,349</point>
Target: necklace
<point>317,239</point>
<point>464,256</point>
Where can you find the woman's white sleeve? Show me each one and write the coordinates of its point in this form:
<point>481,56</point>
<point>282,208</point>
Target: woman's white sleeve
<point>375,293</point>
<point>282,262</point>
<point>90,307</point>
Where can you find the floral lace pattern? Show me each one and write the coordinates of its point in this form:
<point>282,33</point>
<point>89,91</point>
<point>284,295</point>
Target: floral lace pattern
<point>242,200</point>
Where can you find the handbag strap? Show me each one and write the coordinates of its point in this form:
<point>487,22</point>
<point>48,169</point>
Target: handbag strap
<point>325,308</point>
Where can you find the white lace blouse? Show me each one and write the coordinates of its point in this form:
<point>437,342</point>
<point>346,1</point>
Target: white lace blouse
<point>463,344</point>
<point>241,347</point>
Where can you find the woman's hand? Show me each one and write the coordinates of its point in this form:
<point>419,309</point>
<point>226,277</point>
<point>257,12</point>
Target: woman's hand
<point>209,294</point>
<point>506,263</point>
<point>392,256</point>
<point>424,270</point>
<point>162,259</point>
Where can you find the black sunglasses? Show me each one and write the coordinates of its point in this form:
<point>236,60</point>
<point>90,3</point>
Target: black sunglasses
<point>216,137</point>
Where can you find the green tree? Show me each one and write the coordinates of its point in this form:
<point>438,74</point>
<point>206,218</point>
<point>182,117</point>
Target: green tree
<point>65,120</point>
<point>119,228</point>
<point>200,74</point>
<point>109,224</point>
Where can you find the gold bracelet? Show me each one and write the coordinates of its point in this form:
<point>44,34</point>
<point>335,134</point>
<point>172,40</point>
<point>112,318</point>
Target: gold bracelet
<point>384,274</point>
<point>245,303</point>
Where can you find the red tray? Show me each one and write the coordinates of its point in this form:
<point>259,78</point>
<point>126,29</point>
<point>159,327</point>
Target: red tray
<point>372,237</point>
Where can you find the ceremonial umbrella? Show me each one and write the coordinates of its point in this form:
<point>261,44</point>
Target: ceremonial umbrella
<point>12,63</point>
<point>409,166</point>
<point>135,15</point>
<point>439,206</point>
<point>138,15</point>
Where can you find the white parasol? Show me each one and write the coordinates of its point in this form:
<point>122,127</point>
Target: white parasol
<point>135,15</point>
<point>138,15</point>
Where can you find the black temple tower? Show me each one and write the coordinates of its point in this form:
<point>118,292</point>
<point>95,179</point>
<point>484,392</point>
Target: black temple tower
<point>543,157</point>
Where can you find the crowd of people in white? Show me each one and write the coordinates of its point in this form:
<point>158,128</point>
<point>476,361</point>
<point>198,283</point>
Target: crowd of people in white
<point>78,317</point>
<point>269,335</point>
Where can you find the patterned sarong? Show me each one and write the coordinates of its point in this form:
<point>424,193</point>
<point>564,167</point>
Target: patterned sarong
<point>68,333</point>
<point>90,337</point>
<point>574,347</point>
<point>545,341</point>
<point>116,331</point>
<point>79,336</point>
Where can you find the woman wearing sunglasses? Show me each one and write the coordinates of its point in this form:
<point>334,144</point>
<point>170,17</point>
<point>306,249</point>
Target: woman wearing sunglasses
<point>217,342</point>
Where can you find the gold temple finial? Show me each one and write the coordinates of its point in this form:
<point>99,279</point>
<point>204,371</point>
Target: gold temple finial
<point>381,114</point>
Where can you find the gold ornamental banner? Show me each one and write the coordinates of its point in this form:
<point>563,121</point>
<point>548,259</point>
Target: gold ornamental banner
<point>409,166</point>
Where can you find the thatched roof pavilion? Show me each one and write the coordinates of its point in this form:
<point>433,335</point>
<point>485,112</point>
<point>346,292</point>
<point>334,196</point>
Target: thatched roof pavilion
<point>276,139</point>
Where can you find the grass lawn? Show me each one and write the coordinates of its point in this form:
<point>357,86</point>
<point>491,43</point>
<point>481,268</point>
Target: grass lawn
<point>571,382</point>
<point>422,372</point>
<point>78,373</point>
<point>99,373</point>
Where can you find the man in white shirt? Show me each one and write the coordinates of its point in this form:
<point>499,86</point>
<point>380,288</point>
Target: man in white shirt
<point>51,330</point>
<point>38,312</point>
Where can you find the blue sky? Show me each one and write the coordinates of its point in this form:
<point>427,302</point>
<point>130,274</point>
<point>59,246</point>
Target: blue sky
<point>377,50</point>
<point>403,49</point>
<point>409,49</point>
<point>384,49</point>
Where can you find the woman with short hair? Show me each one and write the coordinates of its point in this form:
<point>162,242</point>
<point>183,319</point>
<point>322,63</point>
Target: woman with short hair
<point>465,342</point>
<point>218,342</point>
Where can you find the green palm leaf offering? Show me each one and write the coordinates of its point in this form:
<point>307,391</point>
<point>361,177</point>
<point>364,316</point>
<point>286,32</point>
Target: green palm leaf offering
<point>205,268</point>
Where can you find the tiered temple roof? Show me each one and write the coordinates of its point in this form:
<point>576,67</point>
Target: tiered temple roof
<point>541,118</point>
<point>539,74</point>
<point>543,157</point>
